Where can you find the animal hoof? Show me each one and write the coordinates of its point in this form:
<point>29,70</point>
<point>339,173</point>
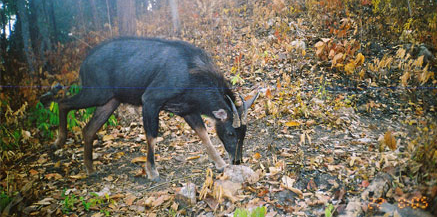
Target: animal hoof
<point>54,147</point>
<point>156,179</point>
<point>221,168</point>
<point>90,171</point>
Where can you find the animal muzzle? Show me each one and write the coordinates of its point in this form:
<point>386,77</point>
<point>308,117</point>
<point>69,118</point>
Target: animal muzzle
<point>236,162</point>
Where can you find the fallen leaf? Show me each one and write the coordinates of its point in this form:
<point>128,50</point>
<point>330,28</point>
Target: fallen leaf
<point>336,58</point>
<point>148,202</point>
<point>302,139</point>
<point>359,59</point>
<point>288,182</point>
<point>78,176</point>
<point>107,138</point>
<point>311,185</point>
<point>292,124</point>
<point>257,156</point>
<point>33,172</point>
<point>193,157</point>
<point>389,140</point>
<point>160,200</point>
<point>98,214</point>
<point>54,176</point>
<point>271,214</point>
<point>130,199</point>
<point>116,196</point>
<point>274,171</point>
<point>319,44</point>
<point>141,159</point>
<point>109,178</point>
<point>174,206</point>
<point>42,159</point>
<point>269,94</point>
<point>365,183</point>
<point>140,172</point>
<point>76,129</point>
<point>399,191</point>
<point>349,68</point>
<point>45,201</point>
<point>207,185</point>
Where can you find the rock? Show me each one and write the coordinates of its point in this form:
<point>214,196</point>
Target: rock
<point>298,44</point>
<point>187,194</point>
<point>241,174</point>
<point>104,191</point>
<point>227,189</point>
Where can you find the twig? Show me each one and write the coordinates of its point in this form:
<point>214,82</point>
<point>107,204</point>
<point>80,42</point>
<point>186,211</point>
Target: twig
<point>171,181</point>
<point>80,40</point>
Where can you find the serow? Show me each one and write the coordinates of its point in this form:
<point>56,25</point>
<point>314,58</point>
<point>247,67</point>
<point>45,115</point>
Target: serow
<point>159,75</point>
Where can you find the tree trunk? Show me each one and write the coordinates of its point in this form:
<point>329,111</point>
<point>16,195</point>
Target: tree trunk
<point>108,14</point>
<point>126,17</point>
<point>54,28</point>
<point>175,16</point>
<point>3,35</point>
<point>96,20</point>
<point>25,34</point>
<point>43,30</point>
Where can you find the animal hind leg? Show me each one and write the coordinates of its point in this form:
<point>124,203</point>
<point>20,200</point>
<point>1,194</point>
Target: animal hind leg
<point>86,98</point>
<point>100,116</point>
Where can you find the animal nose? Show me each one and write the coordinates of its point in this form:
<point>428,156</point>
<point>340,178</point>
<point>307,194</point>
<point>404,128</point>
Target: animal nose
<point>237,162</point>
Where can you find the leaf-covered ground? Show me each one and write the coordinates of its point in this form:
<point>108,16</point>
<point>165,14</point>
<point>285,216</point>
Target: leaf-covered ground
<point>336,130</point>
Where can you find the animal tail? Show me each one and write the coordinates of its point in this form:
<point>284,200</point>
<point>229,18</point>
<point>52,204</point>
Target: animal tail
<point>49,97</point>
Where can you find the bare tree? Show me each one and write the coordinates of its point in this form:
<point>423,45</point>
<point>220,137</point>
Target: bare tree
<point>52,19</point>
<point>25,33</point>
<point>96,19</point>
<point>126,17</point>
<point>41,19</point>
<point>175,16</point>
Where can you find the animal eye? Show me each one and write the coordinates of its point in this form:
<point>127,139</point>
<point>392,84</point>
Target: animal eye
<point>231,134</point>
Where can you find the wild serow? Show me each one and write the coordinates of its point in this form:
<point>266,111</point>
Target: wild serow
<point>159,75</point>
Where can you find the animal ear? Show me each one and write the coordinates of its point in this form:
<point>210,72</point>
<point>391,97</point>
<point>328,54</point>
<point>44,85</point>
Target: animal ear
<point>220,114</point>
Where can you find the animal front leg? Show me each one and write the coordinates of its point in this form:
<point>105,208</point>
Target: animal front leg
<point>196,122</point>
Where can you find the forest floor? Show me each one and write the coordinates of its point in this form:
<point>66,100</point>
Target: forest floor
<point>318,147</point>
<point>333,165</point>
<point>328,169</point>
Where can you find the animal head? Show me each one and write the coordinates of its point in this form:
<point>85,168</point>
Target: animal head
<point>232,125</point>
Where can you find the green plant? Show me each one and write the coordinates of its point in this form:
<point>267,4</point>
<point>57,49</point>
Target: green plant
<point>9,137</point>
<point>172,212</point>
<point>48,118</point>
<point>45,118</point>
<point>236,79</point>
<point>257,212</point>
<point>68,203</point>
<point>11,126</point>
<point>75,118</point>
<point>4,200</point>
<point>329,210</point>
<point>85,204</point>
<point>321,91</point>
<point>106,212</point>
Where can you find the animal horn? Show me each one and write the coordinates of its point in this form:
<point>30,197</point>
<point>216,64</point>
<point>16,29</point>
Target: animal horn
<point>236,119</point>
<point>244,111</point>
<point>246,105</point>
